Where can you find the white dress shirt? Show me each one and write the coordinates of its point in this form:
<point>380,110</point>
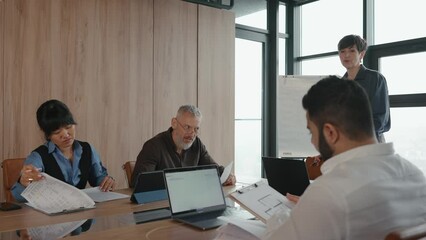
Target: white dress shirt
<point>364,193</point>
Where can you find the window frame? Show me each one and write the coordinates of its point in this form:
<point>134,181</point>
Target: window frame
<point>372,60</point>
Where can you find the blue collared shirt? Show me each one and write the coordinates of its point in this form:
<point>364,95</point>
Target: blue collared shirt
<point>70,171</point>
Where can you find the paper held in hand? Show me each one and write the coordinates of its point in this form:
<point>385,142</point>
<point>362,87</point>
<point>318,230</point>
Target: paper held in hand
<point>261,200</point>
<point>52,196</point>
<point>97,195</point>
<point>226,172</point>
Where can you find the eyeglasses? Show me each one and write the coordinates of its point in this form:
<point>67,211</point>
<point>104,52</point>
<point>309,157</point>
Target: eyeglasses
<point>188,128</point>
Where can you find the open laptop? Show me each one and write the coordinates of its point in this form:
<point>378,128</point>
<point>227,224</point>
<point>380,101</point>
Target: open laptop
<point>150,187</point>
<point>196,196</point>
<point>286,175</point>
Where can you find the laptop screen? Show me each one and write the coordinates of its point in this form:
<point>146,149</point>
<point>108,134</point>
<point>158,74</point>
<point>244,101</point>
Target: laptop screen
<point>286,175</point>
<point>194,189</point>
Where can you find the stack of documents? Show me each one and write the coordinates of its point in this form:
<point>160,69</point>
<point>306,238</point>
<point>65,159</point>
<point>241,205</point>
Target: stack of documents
<point>52,196</point>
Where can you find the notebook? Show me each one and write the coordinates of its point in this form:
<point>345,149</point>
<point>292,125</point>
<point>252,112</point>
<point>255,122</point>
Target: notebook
<point>286,175</point>
<point>196,196</point>
<point>150,187</point>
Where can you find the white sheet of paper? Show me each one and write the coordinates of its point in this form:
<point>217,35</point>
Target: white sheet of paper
<point>226,172</point>
<point>51,196</point>
<point>293,137</point>
<point>240,229</point>
<point>262,200</point>
<point>98,196</point>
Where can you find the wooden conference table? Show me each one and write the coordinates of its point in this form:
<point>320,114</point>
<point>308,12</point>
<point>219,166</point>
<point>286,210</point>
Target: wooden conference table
<point>112,220</point>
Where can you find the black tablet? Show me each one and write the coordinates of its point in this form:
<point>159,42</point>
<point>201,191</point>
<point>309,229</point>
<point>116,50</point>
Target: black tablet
<point>149,187</point>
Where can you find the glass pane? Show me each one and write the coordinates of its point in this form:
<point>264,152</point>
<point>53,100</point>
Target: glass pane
<point>281,24</point>
<point>248,150</point>
<point>250,12</point>
<point>323,66</point>
<point>248,79</point>
<point>248,109</point>
<point>397,20</point>
<point>402,73</point>
<point>409,140</point>
<point>325,22</point>
<point>282,59</point>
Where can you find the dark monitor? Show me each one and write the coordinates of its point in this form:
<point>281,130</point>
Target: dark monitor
<point>150,187</point>
<point>286,175</point>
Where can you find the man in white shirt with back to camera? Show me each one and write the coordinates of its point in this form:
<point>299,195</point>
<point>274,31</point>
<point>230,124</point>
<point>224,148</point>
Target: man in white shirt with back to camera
<point>366,190</point>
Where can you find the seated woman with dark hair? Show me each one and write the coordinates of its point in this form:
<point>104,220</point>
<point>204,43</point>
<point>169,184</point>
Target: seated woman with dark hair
<point>62,156</point>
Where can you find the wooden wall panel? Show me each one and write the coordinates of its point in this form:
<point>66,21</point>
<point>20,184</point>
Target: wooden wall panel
<point>216,47</point>
<point>96,56</point>
<point>2,136</point>
<point>124,73</point>
<point>175,59</point>
<point>27,63</point>
<point>74,60</point>
<point>140,96</point>
<point>122,66</point>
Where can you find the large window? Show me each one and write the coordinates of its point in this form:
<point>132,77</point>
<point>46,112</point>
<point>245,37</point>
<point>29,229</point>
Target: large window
<point>397,20</point>
<point>404,78</point>
<point>282,41</point>
<point>397,50</point>
<point>325,22</point>
<point>248,109</point>
<point>250,13</point>
<point>407,134</point>
<point>251,20</point>
<point>309,44</point>
<point>323,66</point>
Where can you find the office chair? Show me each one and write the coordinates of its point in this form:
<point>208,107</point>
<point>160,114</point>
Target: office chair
<point>11,172</point>
<point>128,169</point>
<point>410,233</point>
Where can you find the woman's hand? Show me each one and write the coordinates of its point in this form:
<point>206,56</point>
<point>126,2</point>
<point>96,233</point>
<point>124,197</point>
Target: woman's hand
<point>108,184</point>
<point>29,174</point>
<point>24,235</point>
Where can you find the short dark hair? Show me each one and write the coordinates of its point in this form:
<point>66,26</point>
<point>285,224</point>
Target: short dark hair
<point>343,103</point>
<point>52,115</point>
<point>351,40</point>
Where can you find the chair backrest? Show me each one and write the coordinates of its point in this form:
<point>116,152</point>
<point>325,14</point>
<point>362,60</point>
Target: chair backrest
<point>11,172</point>
<point>128,169</point>
<point>410,233</point>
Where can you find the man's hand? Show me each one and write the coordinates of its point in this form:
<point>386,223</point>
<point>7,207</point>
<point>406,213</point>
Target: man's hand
<point>231,180</point>
<point>292,198</point>
<point>313,166</point>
